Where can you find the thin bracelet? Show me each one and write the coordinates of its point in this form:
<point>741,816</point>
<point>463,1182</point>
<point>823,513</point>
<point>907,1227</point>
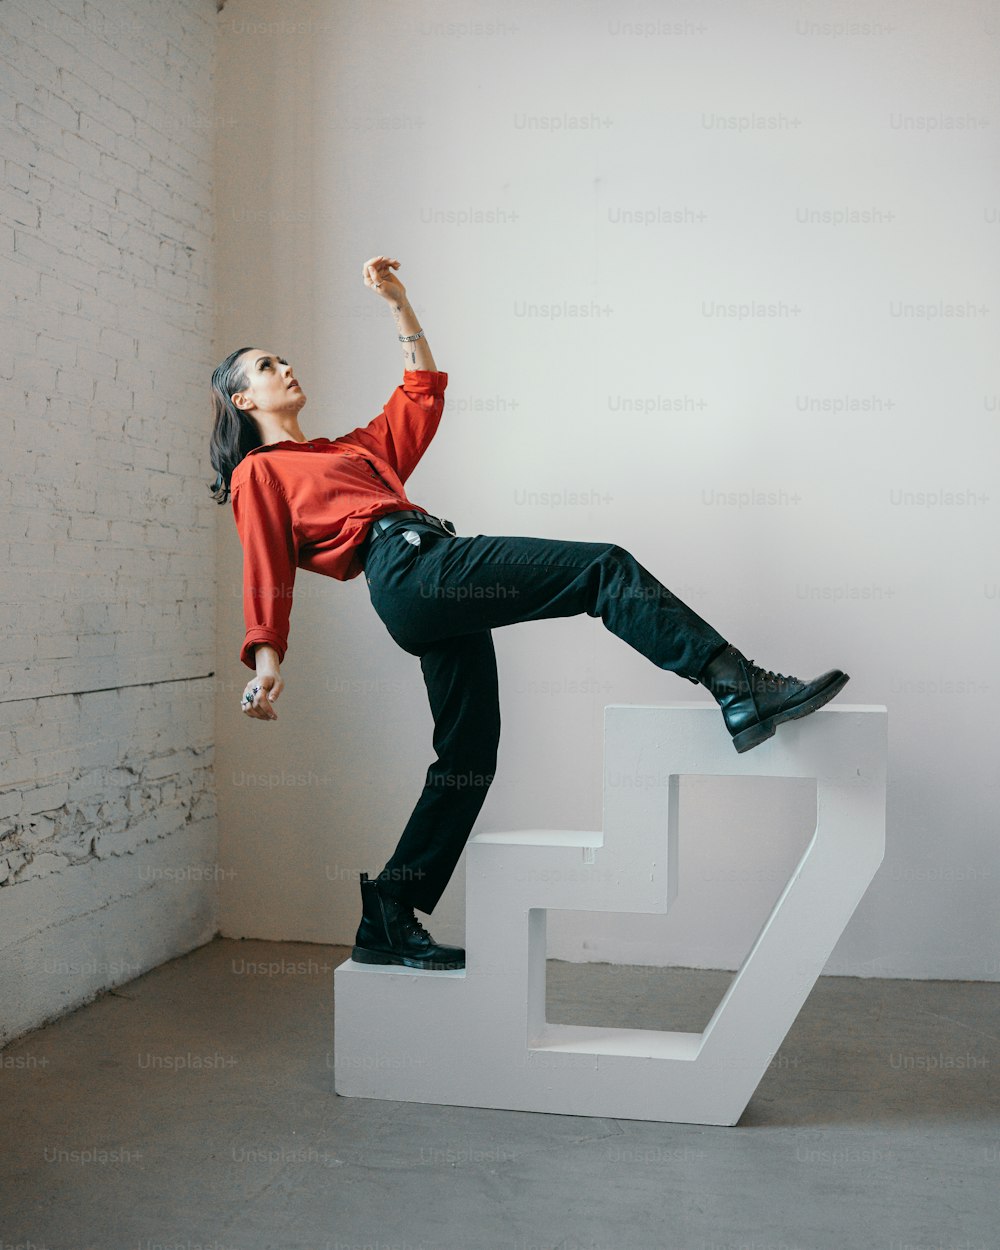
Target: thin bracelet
<point>408,338</point>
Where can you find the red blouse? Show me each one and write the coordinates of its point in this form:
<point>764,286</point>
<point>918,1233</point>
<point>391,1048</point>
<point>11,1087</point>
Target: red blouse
<point>309,505</point>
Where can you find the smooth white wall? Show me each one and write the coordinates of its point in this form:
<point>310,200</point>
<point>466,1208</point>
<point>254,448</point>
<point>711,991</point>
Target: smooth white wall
<point>833,168</point>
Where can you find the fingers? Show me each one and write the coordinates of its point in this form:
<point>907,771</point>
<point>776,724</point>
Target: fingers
<point>259,698</point>
<point>257,711</point>
<point>375,269</point>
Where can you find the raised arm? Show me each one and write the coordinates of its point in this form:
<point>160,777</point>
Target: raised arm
<point>378,274</point>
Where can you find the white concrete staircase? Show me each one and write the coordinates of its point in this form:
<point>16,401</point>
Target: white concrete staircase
<point>479,1038</point>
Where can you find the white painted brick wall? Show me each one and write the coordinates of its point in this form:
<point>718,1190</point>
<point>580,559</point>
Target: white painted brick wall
<point>106,524</point>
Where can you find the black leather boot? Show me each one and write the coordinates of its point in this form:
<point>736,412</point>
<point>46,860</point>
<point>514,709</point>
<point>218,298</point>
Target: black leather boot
<point>755,701</point>
<point>390,933</point>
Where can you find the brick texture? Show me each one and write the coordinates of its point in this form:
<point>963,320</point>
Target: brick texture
<point>106,524</point>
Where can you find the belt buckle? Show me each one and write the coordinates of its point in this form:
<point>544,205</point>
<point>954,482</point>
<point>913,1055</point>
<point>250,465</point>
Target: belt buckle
<point>449,528</point>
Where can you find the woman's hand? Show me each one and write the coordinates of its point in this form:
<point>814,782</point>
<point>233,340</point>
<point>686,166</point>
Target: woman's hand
<point>263,690</point>
<point>379,276</point>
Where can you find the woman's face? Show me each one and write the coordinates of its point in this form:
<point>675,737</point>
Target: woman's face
<point>271,385</point>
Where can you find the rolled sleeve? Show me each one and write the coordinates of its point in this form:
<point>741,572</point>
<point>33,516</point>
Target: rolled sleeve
<point>270,557</point>
<point>402,431</point>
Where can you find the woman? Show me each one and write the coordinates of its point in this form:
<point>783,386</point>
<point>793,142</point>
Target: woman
<point>339,508</point>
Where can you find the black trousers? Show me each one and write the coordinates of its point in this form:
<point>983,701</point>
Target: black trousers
<point>440,599</point>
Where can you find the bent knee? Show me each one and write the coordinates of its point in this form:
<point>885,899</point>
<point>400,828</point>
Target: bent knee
<point>615,560</point>
<point>613,553</point>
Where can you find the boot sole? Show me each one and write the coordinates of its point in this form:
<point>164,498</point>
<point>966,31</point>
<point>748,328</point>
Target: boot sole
<point>361,955</point>
<point>757,734</point>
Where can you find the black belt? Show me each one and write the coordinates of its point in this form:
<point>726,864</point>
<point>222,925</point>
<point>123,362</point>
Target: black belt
<point>395,520</point>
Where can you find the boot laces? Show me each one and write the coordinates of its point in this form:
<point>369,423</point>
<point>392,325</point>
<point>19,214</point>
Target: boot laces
<point>408,921</point>
<point>766,672</point>
<point>413,924</point>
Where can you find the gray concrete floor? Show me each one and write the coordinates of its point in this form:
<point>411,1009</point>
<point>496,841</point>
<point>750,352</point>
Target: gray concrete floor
<point>194,1108</point>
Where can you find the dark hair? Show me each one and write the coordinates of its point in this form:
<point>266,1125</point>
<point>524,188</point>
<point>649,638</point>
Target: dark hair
<point>234,432</point>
